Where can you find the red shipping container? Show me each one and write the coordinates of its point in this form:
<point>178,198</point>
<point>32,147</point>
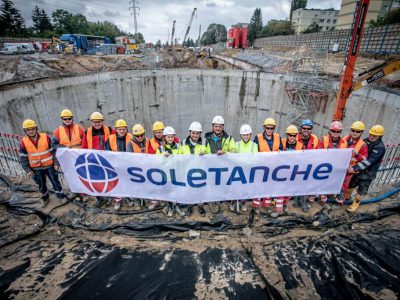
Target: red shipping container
<point>230,38</point>
<point>120,50</point>
<point>243,37</point>
<point>236,36</point>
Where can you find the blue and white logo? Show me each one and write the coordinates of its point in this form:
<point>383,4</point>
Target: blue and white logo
<point>96,173</point>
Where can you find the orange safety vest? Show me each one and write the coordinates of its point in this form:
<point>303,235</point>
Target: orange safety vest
<point>113,141</point>
<point>299,146</point>
<point>40,156</point>
<point>263,145</point>
<point>75,141</point>
<point>342,143</point>
<point>89,136</point>
<point>314,140</point>
<point>360,143</point>
<point>154,143</point>
<point>137,149</point>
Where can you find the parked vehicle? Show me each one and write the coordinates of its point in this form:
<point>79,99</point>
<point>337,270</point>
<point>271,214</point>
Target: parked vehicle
<point>13,50</point>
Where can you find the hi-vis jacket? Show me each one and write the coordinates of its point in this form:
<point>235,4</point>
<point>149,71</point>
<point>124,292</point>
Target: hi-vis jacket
<point>188,148</point>
<point>249,147</point>
<point>174,148</point>
<point>36,155</point>
<point>225,142</point>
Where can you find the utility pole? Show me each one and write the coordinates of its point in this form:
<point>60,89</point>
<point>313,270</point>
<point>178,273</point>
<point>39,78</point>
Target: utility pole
<point>135,13</point>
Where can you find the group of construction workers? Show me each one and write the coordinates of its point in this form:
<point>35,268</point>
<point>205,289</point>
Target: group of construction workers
<point>37,155</point>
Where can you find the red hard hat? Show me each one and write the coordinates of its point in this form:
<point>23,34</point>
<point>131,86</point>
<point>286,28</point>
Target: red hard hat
<point>336,125</point>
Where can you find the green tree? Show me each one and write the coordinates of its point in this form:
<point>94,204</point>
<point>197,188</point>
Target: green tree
<point>65,22</point>
<point>215,33</point>
<point>296,4</point>
<point>277,27</point>
<point>312,28</point>
<point>41,22</point>
<point>11,21</point>
<point>158,44</point>
<point>392,17</point>
<point>255,26</point>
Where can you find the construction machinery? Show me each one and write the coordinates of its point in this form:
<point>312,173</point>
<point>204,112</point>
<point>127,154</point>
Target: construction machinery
<point>390,66</point>
<point>346,80</point>
<point>189,25</point>
<point>58,46</point>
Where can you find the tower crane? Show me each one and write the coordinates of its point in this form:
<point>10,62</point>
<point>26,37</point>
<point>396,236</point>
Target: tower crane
<point>190,24</point>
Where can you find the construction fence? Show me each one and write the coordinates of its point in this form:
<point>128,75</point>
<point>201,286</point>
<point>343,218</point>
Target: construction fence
<point>375,40</point>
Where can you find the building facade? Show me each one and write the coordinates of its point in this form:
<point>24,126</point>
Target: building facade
<point>377,8</point>
<point>302,18</point>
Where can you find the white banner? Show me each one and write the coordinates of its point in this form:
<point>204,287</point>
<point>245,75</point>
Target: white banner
<point>196,179</point>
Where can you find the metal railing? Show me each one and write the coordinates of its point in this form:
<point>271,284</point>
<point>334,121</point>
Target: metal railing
<point>389,171</point>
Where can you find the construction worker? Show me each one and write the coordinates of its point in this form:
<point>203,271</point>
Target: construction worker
<point>194,144</point>
<point>97,135</point>
<point>68,134</point>
<point>360,153</point>
<point>290,143</point>
<point>37,159</point>
<point>157,140</point>
<point>267,141</point>
<point>138,144</point>
<point>170,147</point>
<point>244,146</point>
<point>365,171</point>
<point>308,141</point>
<point>305,137</point>
<point>118,142</point>
<point>332,141</point>
<point>219,142</point>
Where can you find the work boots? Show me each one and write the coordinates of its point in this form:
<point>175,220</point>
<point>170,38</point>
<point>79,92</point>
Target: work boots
<point>356,203</point>
<point>303,204</point>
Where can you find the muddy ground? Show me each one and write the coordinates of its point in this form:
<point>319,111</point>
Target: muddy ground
<point>76,250</point>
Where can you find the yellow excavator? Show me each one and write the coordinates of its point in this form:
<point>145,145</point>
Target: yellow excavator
<point>377,72</point>
<point>57,46</point>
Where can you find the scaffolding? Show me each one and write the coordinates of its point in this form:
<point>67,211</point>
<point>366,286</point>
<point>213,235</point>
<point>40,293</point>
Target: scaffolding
<point>307,88</point>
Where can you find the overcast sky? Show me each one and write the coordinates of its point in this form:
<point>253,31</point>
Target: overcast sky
<point>156,16</point>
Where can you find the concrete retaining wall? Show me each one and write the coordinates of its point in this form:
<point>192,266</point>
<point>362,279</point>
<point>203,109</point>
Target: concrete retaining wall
<point>179,97</point>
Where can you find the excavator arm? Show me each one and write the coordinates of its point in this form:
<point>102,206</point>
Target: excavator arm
<point>367,77</point>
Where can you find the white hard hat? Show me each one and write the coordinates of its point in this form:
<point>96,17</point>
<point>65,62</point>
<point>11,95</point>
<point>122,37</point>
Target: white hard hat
<point>218,120</point>
<point>196,126</point>
<point>245,129</point>
<point>168,130</point>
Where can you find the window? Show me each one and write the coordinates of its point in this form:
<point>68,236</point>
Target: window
<point>316,16</point>
<point>327,27</point>
<point>385,8</point>
<point>321,20</point>
<point>328,21</point>
<point>334,22</point>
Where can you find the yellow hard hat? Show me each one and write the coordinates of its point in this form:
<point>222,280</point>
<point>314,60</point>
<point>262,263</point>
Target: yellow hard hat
<point>120,123</point>
<point>269,121</point>
<point>158,126</point>
<point>138,129</point>
<point>292,129</point>
<point>66,113</point>
<point>377,130</point>
<point>96,116</point>
<point>28,123</point>
<point>358,125</point>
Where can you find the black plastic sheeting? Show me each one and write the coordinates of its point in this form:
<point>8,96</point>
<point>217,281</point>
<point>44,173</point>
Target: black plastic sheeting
<point>344,266</point>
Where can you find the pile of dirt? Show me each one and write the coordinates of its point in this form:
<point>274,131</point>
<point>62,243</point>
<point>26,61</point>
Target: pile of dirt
<point>76,250</point>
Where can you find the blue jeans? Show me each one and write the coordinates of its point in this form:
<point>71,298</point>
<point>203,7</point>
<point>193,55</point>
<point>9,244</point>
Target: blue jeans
<point>40,178</point>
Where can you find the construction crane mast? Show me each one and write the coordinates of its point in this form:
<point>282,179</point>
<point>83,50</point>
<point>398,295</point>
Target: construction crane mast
<point>346,80</point>
<point>173,32</point>
<point>190,24</point>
